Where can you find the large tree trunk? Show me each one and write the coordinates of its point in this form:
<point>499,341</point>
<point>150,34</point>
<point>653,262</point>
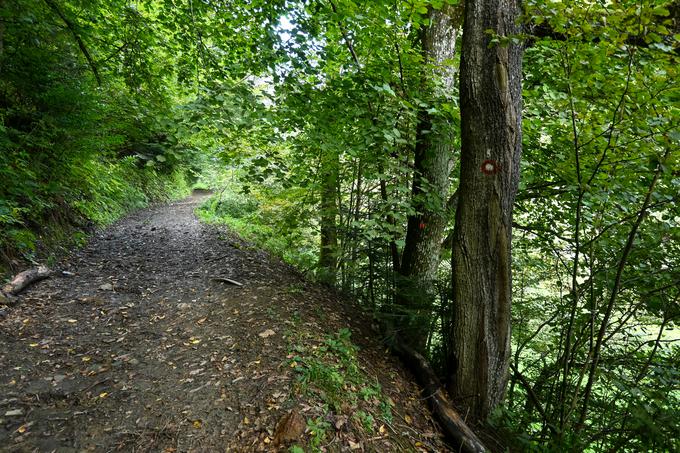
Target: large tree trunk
<point>432,166</point>
<point>491,103</point>
<point>328,256</point>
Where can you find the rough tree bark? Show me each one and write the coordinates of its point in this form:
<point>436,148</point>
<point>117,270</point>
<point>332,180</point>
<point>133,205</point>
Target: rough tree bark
<point>491,103</point>
<point>432,166</point>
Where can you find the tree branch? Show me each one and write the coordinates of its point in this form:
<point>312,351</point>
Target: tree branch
<point>615,289</point>
<point>533,398</point>
<point>72,28</point>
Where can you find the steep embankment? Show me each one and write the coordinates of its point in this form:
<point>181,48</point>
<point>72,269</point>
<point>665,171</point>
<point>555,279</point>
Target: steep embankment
<point>142,344</point>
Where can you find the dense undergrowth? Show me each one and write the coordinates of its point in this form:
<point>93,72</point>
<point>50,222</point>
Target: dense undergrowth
<point>47,221</point>
<point>270,218</point>
<point>71,161</point>
<point>80,143</point>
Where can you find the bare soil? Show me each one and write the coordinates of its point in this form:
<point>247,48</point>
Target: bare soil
<point>138,343</point>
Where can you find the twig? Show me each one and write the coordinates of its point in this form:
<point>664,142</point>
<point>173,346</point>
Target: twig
<point>226,280</point>
<point>101,381</point>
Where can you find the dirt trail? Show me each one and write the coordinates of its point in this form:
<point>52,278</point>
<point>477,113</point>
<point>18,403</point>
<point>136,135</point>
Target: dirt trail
<point>138,347</point>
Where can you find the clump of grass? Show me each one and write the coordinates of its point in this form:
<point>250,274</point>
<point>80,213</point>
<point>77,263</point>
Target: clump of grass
<point>270,224</point>
<point>329,371</point>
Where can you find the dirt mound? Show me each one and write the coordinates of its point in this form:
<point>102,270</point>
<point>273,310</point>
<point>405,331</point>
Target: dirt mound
<point>164,334</point>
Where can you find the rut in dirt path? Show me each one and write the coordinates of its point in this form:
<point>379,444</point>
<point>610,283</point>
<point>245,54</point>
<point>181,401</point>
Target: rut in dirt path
<point>143,346</point>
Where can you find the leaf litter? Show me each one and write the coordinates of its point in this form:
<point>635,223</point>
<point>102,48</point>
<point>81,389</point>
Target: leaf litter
<point>137,347</point>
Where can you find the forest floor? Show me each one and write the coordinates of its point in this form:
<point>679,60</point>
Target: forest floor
<point>137,345</point>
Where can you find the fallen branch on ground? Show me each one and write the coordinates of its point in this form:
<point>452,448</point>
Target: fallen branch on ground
<point>24,279</point>
<point>449,419</point>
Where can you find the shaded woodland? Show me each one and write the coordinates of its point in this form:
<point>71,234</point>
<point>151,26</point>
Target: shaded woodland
<point>495,182</point>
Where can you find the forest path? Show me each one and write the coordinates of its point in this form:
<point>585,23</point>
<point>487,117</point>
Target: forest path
<point>138,346</point>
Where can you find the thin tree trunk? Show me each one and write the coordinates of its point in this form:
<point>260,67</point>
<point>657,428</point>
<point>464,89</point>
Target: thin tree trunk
<point>491,105</point>
<point>328,256</point>
<point>2,36</point>
<point>432,166</point>
<point>592,376</point>
<point>394,250</point>
<point>566,365</point>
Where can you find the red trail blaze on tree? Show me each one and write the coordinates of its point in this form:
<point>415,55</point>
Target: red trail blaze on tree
<point>491,103</point>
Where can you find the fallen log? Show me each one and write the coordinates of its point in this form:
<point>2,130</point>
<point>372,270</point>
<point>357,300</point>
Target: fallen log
<point>451,422</point>
<point>24,279</point>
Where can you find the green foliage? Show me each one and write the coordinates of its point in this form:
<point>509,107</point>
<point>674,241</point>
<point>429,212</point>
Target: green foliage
<point>366,420</point>
<point>23,240</point>
<point>330,371</point>
<point>73,153</point>
<point>599,125</point>
<point>267,220</point>
<point>318,431</point>
<point>264,102</point>
<point>234,205</point>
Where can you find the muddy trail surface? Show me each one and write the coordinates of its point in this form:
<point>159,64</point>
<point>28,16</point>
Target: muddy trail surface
<point>142,341</point>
